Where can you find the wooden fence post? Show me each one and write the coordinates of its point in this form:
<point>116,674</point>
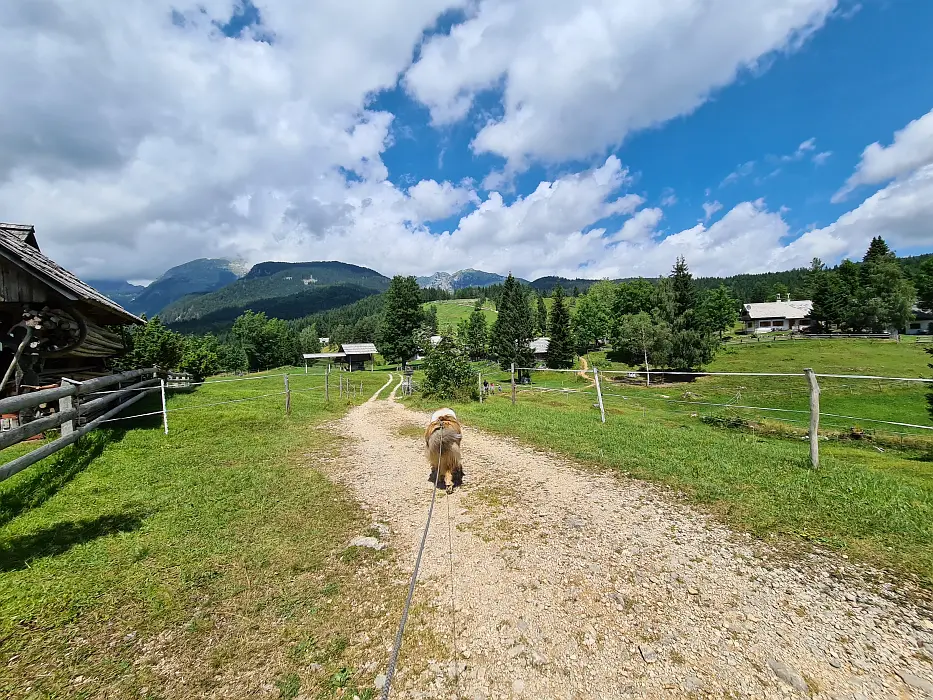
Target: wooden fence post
<point>164,409</point>
<point>327,384</point>
<point>288,397</point>
<point>599,395</point>
<point>479,380</point>
<point>66,403</point>
<point>814,418</point>
<point>513,383</point>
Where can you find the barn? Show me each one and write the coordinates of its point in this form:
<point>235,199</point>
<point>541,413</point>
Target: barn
<point>353,355</point>
<point>53,324</point>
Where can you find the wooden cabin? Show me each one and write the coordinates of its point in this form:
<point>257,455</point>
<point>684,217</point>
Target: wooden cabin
<point>53,324</point>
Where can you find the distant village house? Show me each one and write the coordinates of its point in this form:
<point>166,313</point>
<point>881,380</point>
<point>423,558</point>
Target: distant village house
<point>776,316</point>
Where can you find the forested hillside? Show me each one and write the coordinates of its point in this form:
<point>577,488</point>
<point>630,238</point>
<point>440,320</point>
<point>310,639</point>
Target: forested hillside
<point>283,290</point>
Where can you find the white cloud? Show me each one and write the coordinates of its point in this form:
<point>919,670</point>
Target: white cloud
<point>801,152</point>
<point>710,208</point>
<point>133,134</point>
<point>138,143</point>
<point>578,77</point>
<point>822,157</point>
<point>740,172</point>
<point>912,148</point>
<point>668,197</point>
<point>433,201</point>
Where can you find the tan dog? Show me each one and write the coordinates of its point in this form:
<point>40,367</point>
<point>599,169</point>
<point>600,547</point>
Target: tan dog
<point>442,439</point>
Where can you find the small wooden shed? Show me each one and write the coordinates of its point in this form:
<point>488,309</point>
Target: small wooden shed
<point>53,324</point>
<point>356,355</point>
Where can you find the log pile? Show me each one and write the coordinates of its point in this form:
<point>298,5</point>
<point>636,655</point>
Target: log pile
<point>58,333</point>
<point>53,330</point>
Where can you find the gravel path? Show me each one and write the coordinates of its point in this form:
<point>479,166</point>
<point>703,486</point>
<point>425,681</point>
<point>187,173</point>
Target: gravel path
<point>574,584</point>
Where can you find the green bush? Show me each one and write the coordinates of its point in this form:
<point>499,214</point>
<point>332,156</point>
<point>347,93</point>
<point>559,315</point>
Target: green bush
<point>448,373</point>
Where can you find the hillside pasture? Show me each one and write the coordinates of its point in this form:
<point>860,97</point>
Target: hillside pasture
<point>210,562</point>
<point>451,312</point>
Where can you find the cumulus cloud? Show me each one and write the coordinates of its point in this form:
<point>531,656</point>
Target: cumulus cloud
<point>578,77</point>
<point>912,148</point>
<point>143,136</point>
<point>138,123</point>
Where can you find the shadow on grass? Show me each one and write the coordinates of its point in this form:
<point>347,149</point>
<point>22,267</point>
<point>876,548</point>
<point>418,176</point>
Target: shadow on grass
<point>57,539</point>
<point>40,482</point>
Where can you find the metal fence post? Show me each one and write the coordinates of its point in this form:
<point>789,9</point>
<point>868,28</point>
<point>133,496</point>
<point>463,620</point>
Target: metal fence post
<point>164,408</point>
<point>480,381</point>
<point>814,418</point>
<point>599,395</point>
<point>513,383</point>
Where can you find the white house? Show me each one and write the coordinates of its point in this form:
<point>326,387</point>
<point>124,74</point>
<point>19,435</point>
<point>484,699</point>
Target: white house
<point>921,324</point>
<point>776,316</point>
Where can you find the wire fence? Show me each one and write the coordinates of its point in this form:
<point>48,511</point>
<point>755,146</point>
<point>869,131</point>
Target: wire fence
<point>879,409</point>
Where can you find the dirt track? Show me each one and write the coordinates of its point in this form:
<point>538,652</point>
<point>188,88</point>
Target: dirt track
<point>573,584</point>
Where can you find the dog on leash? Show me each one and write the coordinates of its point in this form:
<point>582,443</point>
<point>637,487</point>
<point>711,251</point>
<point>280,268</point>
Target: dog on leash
<point>442,440</point>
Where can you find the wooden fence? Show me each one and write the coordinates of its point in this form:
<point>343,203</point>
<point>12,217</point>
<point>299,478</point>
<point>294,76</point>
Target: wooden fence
<point>82,407</point>
<point>773,337</point>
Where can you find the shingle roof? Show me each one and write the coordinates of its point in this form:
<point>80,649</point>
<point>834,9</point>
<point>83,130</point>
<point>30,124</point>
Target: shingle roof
<point>16,247</point>
<point>25,232</point>
<point>359,348</point>
<point>778,309</point>
<point>540,345</point>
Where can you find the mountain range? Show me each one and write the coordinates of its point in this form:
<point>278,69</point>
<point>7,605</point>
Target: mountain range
<point>208,294</point>
<point>194,277</point>
<point>213,291</point>
<point>283,290</point>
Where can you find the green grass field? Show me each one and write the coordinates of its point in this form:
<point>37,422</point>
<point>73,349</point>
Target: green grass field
<point>451,313</point>
<point>860,400</point>
<point>877,507</point>
<point>207,562</point>
<point>871,498</point>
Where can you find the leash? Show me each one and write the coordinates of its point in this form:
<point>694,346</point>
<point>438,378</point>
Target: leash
<point>393,659</point>
<point>453,609</point>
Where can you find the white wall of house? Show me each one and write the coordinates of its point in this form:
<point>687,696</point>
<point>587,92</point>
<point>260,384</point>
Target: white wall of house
<point>919,327</point>
<point>767,325</point>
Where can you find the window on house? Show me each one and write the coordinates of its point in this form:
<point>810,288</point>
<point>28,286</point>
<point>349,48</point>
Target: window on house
<point>915,326</point>
<point>764,324</point>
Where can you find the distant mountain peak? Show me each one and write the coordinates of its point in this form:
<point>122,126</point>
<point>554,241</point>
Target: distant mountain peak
<point>470,277</point>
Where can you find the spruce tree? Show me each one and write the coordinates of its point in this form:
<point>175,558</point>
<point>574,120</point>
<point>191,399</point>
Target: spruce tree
<point>560,349</point>
<point>402,318</point>
<point>513,329</point>
<point>685,293</point>
<point>877,250</point>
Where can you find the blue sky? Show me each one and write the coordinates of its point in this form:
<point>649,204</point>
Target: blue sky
<point>599,138</point>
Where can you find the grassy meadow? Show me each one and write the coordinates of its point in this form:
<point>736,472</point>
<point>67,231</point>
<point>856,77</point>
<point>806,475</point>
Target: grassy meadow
<point>207,563</point>
<point>451,312</point>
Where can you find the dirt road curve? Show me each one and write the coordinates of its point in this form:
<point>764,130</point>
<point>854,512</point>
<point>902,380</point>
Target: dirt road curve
<point>572,584</point>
